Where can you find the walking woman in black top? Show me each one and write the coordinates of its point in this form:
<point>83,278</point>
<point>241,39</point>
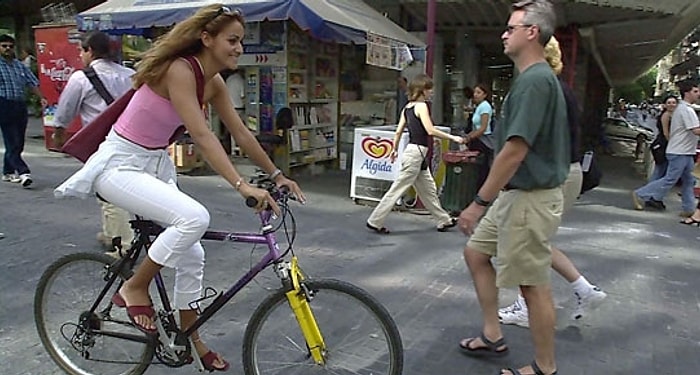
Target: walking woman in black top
<point>414,164</point>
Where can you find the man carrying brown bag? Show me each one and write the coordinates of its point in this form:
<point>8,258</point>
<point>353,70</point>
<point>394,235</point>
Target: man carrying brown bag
<point>87,93</point>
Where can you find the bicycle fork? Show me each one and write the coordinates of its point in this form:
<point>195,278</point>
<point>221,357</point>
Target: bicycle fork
<point>299,297</point>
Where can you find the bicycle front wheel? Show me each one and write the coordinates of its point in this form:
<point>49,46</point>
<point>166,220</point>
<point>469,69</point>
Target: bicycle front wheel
<point>82,343</point>
<point>360,335</point>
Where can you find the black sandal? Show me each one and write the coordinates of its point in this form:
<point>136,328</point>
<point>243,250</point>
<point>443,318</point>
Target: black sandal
<point>489,351</point>
<point>381,230</point>
<point>691,222</point>
<point>535,368</point>
<point>445,227</point>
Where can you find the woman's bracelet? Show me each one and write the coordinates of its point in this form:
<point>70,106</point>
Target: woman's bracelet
<point>238,183</point>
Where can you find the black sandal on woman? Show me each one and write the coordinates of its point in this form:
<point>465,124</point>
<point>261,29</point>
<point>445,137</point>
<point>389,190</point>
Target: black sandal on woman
<point>381,230</point>
<point>690,221</point>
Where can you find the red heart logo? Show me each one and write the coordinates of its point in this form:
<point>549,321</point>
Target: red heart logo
<point>377,148</point>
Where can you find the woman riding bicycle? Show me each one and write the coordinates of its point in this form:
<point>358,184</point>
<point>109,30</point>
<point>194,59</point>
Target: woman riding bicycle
<point>132,169</point>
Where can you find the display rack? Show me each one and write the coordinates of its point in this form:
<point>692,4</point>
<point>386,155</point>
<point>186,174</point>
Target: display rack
<point>312,81</point>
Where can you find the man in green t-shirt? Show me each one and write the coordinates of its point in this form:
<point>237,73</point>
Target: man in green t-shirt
<point>532,162</point>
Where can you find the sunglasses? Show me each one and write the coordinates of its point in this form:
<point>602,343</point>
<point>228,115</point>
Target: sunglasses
<point>227,11</point>
<point>7,46</point>
<point>510,29</point>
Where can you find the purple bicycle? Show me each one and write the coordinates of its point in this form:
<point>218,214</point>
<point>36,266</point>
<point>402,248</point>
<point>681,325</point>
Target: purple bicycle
<point>308,326</point>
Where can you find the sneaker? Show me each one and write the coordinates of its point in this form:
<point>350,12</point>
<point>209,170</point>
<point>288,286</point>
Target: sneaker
<point>637,202</point>
<point>104,241</point>
<point>25,180</point>
<point>11,177</point>
<point>587,302</point>
<point>515,314</point>
<point>653,203</point>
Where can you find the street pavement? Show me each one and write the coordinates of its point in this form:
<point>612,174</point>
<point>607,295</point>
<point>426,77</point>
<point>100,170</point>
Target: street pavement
<point>646,261</point>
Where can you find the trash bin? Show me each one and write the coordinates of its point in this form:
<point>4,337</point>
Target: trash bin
<point>461,180</point>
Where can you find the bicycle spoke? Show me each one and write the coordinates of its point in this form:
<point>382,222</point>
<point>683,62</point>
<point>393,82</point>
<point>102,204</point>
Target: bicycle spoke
<point>360,337</point>
<point>100,344</point>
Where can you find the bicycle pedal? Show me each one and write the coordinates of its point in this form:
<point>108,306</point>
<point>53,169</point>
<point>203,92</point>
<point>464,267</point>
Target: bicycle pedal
<point>209,293</point>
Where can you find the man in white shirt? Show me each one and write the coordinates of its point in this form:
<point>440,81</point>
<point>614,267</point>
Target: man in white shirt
<point>80,97</point>
<point>680,152</point>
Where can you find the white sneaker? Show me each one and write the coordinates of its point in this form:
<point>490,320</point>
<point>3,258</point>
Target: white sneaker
<point>515,314</point>
<point>25,180</point>
<point>10,177</point>
<point>587,302</point>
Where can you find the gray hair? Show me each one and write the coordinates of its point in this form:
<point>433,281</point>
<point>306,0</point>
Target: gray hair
<point>540,13</point>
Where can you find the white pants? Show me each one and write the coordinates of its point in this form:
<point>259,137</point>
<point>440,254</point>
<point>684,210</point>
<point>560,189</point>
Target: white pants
<point>422,181</point>
<point>185,220</point>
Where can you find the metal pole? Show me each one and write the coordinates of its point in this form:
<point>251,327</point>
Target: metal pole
<point>429,58</point>
<point>430,48</point>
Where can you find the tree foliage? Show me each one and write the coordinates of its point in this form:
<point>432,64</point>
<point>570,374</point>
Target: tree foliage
<point>639,90</point>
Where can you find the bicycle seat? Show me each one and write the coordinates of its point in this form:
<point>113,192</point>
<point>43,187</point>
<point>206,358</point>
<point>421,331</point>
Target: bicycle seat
<point>146,227</point>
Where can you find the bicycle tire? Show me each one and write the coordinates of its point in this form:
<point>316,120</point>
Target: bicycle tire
<point>274,318</point>
<point>85,271</point>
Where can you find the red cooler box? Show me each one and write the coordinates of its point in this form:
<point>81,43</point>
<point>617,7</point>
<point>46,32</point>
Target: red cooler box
<point>58,56</point>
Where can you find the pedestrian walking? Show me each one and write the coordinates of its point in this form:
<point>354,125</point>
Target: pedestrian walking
<point>531,164</point>
<point>132,168</point>
<point>15,78</point>
<point>88,97</point>
<point>680,154</point>
<point>481,136</point>
<point>660,143</point>
<point>414,163</point>
<point>586,295</point>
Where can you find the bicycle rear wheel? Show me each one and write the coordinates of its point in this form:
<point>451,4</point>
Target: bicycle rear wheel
<point>360,335</point>
<point>102,343</point>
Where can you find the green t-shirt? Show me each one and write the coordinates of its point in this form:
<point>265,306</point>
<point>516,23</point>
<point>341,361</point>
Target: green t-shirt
<point>535,111</point>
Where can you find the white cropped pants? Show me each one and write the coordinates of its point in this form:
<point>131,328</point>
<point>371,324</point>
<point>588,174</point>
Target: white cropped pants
<point>411,174</point>
<point>184,218</point>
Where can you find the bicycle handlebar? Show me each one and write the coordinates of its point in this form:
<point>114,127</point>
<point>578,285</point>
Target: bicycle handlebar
<point>277,194</point>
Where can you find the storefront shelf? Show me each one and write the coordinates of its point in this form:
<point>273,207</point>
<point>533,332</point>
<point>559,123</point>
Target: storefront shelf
<point>313,148</point>
<point>314,126</point>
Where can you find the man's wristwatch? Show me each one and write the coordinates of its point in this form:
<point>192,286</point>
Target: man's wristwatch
<point>480,201</point>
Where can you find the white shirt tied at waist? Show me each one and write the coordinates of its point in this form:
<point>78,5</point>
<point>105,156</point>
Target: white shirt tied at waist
<point>80,97</point>
<point>117,152</point>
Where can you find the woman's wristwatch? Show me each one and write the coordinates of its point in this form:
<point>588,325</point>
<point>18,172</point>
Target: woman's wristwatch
<point>276,173</point>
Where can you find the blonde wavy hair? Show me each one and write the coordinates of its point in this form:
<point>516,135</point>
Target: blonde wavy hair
<point>552,53</point>
<point>418,85</point>
<point>183,40</point>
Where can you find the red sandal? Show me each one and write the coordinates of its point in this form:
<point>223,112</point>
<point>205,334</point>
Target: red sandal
<point>208,362</point>
<point>136,310</point>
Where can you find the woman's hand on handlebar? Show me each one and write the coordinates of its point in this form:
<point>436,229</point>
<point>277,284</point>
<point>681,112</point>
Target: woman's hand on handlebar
<point>262,196</point>
<point>294,189</point>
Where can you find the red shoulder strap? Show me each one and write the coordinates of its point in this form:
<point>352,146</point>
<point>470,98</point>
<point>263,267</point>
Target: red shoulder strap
<point>198,76</point>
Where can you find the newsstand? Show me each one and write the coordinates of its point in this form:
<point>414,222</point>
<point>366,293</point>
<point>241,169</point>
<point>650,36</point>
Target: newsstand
<point>461,179</point>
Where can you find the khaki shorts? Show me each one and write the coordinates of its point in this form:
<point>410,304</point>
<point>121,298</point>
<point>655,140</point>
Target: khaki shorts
<point>516,231</point>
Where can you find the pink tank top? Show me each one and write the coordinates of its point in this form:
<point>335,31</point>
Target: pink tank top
<point>149,119</point>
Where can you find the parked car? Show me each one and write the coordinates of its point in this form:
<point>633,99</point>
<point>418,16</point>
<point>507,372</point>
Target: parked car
<point>621,128</point>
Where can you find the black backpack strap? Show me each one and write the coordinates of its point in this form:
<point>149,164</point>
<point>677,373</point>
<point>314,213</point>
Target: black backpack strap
<point>98,85</point>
